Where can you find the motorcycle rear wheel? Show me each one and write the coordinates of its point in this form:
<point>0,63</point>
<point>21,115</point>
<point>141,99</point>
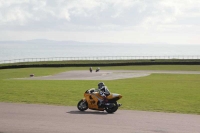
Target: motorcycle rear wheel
<point>82,105</point>
<point>112,109</point>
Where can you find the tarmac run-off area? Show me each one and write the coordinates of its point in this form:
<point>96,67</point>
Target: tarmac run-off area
<point>33,118</point>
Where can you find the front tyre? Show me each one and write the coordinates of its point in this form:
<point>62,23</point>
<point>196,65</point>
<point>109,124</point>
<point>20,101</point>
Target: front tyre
<point>112,109</point>
<point>82,105</point>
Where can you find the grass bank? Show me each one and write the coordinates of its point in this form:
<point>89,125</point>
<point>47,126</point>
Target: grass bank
<point>157,92</point>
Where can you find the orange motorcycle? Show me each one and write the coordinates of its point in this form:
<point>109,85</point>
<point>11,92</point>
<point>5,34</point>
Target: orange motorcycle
<point>93,100</point>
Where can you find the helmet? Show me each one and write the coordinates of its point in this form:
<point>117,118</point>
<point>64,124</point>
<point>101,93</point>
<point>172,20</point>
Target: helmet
<point>100,85</point>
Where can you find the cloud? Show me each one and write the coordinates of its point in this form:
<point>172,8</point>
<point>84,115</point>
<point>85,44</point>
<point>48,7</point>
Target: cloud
<point>94,14</point>
<point>146,16</point>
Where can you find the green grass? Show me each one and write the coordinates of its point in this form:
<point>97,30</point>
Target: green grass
<point>157,92</point>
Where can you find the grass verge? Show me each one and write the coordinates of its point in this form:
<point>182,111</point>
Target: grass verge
<point>157,92</point>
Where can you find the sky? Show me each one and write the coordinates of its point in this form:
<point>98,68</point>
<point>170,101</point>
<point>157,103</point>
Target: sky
<point>116,21</point>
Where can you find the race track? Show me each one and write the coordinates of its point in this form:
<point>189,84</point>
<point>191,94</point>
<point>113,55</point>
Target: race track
<point>32,118</point>
<point>104,74</point>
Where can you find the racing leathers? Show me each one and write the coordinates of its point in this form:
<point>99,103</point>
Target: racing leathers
<point>104,92</point>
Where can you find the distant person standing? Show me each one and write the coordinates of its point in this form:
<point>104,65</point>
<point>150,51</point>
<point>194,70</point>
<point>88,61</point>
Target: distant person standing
<point>90,69</point>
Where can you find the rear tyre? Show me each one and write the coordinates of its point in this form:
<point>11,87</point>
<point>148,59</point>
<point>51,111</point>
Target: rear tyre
<point>112,109</point>
<point>82,105</point>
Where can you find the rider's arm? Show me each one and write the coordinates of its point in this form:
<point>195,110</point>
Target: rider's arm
<point>91,90</point>
<point>102,93</point>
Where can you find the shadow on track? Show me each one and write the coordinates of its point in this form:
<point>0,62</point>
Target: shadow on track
<point>88,112</point>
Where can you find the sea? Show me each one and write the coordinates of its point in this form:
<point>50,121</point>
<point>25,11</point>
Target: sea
<point>37,50</point>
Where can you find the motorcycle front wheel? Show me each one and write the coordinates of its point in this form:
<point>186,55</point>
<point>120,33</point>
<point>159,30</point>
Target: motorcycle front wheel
<point>82,105</point>
<point>112,109</point>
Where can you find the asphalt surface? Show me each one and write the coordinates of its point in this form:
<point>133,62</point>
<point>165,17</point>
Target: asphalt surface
<point>104,74</point>
<point>32,118</point>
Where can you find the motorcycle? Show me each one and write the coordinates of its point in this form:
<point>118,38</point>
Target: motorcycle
<point>91,69</point>
<point>98,69</point>
<point>93,100</point>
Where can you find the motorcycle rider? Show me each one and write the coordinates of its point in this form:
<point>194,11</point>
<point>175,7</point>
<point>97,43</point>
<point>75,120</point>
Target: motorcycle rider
<point>103,91</point>
<point>90,69</point>
<point>97,69</point>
